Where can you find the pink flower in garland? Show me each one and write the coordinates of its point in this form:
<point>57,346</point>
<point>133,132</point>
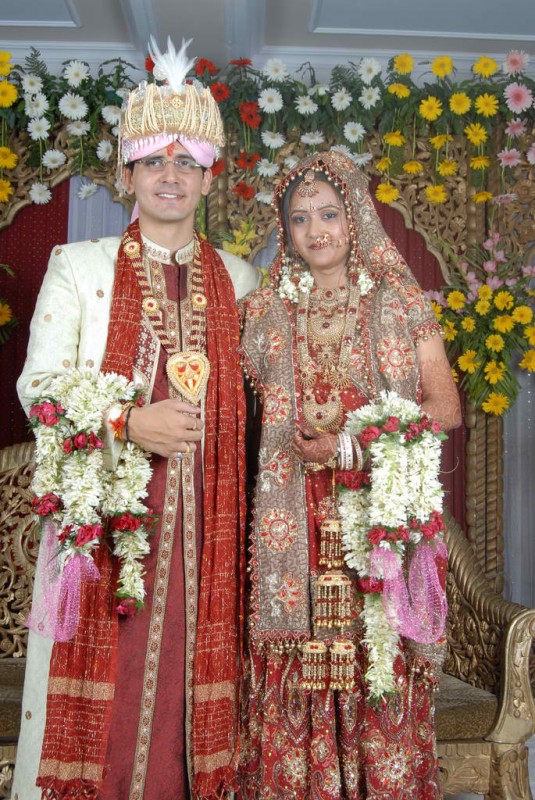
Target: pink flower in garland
<point>515,61</point>
<point>518,97</point>
<point>509,158</point>
<point>516,128</point>
<point>530,155</point>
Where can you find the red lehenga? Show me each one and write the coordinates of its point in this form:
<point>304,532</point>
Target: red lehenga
<point>303,743</point>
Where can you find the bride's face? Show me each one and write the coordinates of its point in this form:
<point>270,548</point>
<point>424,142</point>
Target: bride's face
<point>319,230</point>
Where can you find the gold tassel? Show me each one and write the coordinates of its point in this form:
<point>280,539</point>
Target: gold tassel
<point>342,666</point>
<point>332,608</point>
<point>331,544</point>
<point>314,665</point>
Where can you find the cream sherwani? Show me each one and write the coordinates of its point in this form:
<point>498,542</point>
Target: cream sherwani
<point>69,329</point>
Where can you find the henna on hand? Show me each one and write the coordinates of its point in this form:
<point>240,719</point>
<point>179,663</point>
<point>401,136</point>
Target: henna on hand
<point>311,445</point>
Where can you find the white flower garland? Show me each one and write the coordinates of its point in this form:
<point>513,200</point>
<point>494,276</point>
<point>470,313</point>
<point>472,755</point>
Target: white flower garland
<point>402,501</point>
<point>289,289</point>
<point>73,486</point>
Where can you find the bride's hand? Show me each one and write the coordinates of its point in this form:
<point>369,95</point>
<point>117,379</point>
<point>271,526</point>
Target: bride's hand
<point>310,445</point>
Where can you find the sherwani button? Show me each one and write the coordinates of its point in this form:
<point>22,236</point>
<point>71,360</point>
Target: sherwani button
<point>66,362</point>
<point>100,293</point>
<point>90,362</point>
<point>57,251</point>
<point>36,382</point>
<point>48,317</point>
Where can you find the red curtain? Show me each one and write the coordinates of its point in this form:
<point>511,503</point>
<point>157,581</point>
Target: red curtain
<point>427,272</point>
<point>25,246</point>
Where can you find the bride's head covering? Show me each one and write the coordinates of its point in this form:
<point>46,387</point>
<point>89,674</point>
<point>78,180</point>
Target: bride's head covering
<point>372,251</point>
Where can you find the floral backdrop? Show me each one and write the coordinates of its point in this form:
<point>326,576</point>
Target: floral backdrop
<point>437,148</point>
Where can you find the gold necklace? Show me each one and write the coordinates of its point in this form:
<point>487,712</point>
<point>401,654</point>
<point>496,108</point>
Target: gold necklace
<point>326,413</point>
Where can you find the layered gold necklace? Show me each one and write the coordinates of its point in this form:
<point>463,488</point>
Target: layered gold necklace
<point>325,328</point>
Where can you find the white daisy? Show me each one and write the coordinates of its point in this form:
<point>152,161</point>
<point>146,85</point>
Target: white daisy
<point>290,162</point>
<point>115,130</point>
<point>343,148</point>
<point>32,84</point>
<point>111,114</point>
<point>354,131</point>
<point>305,105</point>
<point>40,194</point>
<point>270,100</point>
<point>38,128</point>
<point>75,73</point>
<point>73,106</point>
<point>267,168</point>
<point>53,159</point>
<point>272,140</point>
<point>341,99</point>
<point>87,190</point>
<point>264,197</point>
<point>275,69</point>
<point>370,96</point>
<point>368,69</point>
<point>319,89</point>
<point>123,92</point>
<point>78,128</point>
<point>314,137</point>
<point>361,159</point>
<point>35,105</point>
<point>104,150</point>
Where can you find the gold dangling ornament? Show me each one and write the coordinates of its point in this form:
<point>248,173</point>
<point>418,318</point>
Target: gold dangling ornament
<point>314,665</point>
<point>330,554</point>
<point>342,666</point>
<point>333,601</point>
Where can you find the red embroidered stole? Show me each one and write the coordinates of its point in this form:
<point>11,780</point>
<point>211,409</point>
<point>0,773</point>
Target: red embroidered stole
<point>82,671</point>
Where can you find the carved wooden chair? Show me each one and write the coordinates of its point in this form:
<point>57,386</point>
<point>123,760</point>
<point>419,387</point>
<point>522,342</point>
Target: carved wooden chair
<point>485,710</point>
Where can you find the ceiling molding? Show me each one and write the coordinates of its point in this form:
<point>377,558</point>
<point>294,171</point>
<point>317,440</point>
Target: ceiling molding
<point>400,34</point>
<point>141,22</point>
<point>54,54</point>
<point>71,20</point>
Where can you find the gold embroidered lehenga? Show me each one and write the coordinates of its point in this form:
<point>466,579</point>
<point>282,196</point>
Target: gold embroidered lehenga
<point>313,361</point>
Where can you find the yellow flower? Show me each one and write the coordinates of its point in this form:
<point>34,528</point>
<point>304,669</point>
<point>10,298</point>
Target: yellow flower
<point>237,249</point>
<point>522,315</point>
<point>430,108</point>
<point>460,103</point>
<point>8,159</point>
<point>468,324</point>
<point>447,167</point>
<point>5,66</point>
<point>450,331</point>
<point>503,323</point>
<point>413,167</point>
<point>482,307</point>
<point>487,105</point>
<point>455,375</point>
<point>479,162</point>
<point>482,197</point>
<point>394,138</point>
<point>456,300</point>
<point>485,66</point>
<point>384,164</point>
<point>436,194</point>
<point>528,362</point>
<point>496,403</point>
<point>476,133</point>
<point>467,362</point>
<point>440,140</point>
<point>404,63</point>
<point>386,193</point>
<point>442,66</point>
<point>6,313</point>
<point>437,308</point>
<point>6,190</point>
<point>495,342</point>
<point>504,300</point>
<point>400,90</point>
<point>8,94</point>
<point>484,292</point>
<point>529,333</point>
<point>494,372</point>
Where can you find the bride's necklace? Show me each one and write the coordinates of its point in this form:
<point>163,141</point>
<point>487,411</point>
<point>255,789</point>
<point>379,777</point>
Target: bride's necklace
<point>326,326</point>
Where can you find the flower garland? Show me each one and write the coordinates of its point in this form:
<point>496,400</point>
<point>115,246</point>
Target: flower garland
<point>291,284</point>
<point>76,491</point>
<point>399,506</point>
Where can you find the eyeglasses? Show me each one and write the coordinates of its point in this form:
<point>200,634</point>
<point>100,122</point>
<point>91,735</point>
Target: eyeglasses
<point>159,163</point>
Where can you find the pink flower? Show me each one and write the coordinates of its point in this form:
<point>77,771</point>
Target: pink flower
<point>504,199</point>
<point>494,282</point>
<point>511,281</point>
<point>517,127</point>
<point>518,97</point>
<point>86,533</point>
<point>509,158</point>
<point>369,435</point>
<point>126,522</point>
<point>370,585</point>
<point>530,155</point>
<point>499,256</point>
<point>391,425</point>
<point>489,266</point>
<point>515,61</point>
<point>45,505</point>
<point>67,446</point>
<point>127,607</point>
<point>528,271</point>
<point>435,427</point>
<point>491,242</point>
<point>80,441</point>
<point>438,297</point>
<point>376,535</point>
<point>94,442</point>
<point>46,413</point>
